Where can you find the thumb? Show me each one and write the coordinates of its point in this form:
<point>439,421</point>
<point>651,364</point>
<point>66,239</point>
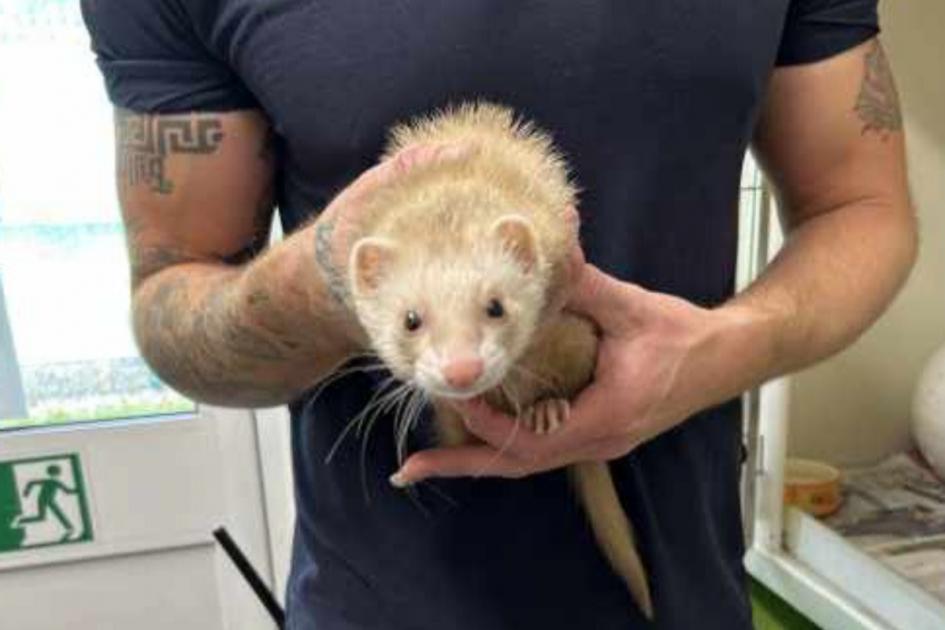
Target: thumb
<point>605,299</point>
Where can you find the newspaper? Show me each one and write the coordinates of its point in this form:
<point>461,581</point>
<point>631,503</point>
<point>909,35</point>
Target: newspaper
<point>895,511</point>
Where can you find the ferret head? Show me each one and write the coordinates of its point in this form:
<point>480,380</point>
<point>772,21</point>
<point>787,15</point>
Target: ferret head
<point>451,316</point>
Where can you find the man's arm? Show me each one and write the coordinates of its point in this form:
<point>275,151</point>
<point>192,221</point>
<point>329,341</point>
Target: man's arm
<point>196,197</point>
<point>830,138</point>
<point>216,317</point>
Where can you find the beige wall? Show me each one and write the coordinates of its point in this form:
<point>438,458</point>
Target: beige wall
<point>855,407</point>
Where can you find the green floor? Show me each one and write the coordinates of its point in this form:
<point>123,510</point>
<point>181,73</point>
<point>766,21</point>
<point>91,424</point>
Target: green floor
<point>772,613</point>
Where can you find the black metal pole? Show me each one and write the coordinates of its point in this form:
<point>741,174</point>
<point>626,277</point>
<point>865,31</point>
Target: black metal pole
<point>246,569</point>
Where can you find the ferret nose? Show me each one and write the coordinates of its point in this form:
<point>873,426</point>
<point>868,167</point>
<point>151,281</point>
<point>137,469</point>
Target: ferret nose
<point>461,373</point>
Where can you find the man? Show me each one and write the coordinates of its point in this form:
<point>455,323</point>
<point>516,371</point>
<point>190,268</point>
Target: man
<point>229,106</point>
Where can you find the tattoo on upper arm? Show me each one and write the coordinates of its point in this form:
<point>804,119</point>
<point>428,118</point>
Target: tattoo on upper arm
<point>143,142</point>
<point>878,104</point>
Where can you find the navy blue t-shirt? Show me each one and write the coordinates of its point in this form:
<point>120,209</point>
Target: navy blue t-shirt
<point>654,103</point>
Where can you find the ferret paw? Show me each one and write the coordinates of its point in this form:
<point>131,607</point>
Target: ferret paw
<point>546,416</point>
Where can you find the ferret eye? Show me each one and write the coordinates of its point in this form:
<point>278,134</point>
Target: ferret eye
<point>495,309</point>
<point>412,321</point>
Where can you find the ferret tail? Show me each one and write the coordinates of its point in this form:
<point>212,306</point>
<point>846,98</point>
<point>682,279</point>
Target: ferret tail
<point>613,531</point>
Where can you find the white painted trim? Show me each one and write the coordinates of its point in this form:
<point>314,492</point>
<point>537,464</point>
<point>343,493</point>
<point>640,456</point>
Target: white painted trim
<point>68,554</point>
<point>244,516</point>
<point>753,255</point>
<point>187,421</point>
<point>864,578</point>
<point>275,455</point>
<point>826,604</point>
<point>12,398</point>
<point>770,454</point>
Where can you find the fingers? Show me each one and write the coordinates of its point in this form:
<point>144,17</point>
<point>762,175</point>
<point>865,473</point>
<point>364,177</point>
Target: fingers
<point>574,266</point>
<point>510,451</point>
<point>505,434</point>
<point>594,294</point>
<point>574,221</point>
<point>398,166</point>
<point>458,461</point>
<point>613,304</point>
<point>343,212</point>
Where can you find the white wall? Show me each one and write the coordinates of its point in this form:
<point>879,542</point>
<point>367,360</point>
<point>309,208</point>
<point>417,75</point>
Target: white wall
<point>855,407</point>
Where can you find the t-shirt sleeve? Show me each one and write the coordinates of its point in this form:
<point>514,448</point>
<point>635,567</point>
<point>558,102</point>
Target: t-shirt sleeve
<point>154,61</point>
<point>817,29</point>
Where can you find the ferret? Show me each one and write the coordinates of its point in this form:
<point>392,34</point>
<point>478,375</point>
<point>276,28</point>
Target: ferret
<point>452,281</point>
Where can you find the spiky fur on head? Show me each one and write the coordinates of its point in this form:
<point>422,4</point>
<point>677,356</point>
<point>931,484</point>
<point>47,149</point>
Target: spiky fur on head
<point>442,248</point>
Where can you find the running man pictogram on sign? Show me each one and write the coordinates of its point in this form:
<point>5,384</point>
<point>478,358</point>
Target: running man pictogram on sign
<point>43,502</point>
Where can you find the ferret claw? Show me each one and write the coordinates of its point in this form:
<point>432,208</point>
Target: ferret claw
<point>527,418</point>
<point>546,416</point>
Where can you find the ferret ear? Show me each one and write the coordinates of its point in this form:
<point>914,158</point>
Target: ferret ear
<point>516,234</point>
<point>370,258</point>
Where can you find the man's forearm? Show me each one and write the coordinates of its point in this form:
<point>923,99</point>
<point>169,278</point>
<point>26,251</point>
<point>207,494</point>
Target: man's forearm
<point>830,140</point>
<point>834,276</point>
<point>248,336</point>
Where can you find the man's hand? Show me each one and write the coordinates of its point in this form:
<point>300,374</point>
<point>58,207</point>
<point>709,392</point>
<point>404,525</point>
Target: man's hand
<point>830,139</point>
<point>660,359</point>
<point>338,227</point>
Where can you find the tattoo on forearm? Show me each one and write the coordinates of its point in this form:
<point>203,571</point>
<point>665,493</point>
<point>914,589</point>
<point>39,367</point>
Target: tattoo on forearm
<point>144,141</point>
<point>878,104</point>
<point>206,345</point>
<point>219,323</point>
<point>336,283</point>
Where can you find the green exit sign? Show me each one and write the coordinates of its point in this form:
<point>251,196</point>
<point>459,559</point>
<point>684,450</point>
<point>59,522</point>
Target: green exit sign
<point>43,503</point>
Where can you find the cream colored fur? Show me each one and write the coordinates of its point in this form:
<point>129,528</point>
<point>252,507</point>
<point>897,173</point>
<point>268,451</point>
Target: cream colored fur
<point>442,221</point>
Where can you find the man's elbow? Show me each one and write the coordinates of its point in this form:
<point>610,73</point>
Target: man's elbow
<point>908,242</point>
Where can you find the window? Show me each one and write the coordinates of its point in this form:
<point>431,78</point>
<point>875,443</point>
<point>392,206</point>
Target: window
<point>66,348</point>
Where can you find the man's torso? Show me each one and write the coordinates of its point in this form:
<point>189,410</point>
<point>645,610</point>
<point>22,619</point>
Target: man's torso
<point>653,103</point>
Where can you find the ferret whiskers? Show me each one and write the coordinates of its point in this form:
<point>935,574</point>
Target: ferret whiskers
<point>408,421</point>
<point>354,369</point>
<point>507,392</point>
<point>405,421</point>
<point>387,402</point>
<point>354,422</point>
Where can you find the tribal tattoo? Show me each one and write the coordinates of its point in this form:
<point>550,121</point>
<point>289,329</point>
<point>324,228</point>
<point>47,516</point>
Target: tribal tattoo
<point>878,104</point>
<point>204,345</point>
<point>143,143</point>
